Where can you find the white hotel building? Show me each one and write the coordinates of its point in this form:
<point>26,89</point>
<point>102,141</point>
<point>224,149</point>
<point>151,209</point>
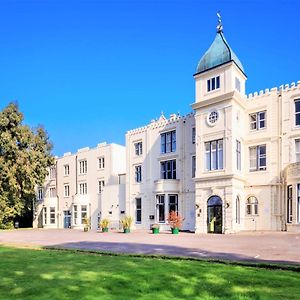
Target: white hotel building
<point>231,165</point>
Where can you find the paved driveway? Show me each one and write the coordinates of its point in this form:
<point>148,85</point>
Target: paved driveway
<point>279,247</point>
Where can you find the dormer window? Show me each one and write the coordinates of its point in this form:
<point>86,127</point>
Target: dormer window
<point>213,83</point>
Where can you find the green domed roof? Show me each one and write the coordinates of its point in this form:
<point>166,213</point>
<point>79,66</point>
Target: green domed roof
<point>218,53</point>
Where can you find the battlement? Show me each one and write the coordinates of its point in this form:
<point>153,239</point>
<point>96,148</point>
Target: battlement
<point>161,122</point>
<point>282,89</point>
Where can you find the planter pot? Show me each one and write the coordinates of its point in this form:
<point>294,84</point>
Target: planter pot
<point>104,229</point>
<point>155,230</point>
<point>175,230</point>
<point>85,229</point>
<point>126,230</point>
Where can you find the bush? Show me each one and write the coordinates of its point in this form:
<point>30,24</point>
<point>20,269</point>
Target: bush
<point>175,220</point>
<point>126,222</point>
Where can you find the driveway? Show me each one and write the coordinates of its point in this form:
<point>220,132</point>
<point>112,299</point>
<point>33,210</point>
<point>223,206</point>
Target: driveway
<point>277,247</point>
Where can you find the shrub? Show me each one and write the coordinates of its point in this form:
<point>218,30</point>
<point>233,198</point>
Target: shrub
<point>175,220</point>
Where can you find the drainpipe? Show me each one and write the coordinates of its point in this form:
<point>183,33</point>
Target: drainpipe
<point>57,197</point>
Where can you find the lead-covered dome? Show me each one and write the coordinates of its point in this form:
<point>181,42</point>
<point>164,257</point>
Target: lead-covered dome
<point>218,53</point>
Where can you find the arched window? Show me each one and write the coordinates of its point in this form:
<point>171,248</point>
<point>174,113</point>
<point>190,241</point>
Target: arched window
<point>252,206</point>
<point>238,210</point>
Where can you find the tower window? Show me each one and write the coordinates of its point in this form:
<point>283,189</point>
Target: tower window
<point>213,83</point>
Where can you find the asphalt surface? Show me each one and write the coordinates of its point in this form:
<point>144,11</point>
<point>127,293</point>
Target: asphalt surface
<point>275,247</point>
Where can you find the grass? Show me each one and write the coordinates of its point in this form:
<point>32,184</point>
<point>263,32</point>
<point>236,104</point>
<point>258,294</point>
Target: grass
<point>48,274</point>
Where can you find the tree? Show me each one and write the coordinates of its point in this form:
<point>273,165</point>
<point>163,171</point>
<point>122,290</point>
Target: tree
<point>25,155</point>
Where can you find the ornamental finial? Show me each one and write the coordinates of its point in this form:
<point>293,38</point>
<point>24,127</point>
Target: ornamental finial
<point>220,25</point>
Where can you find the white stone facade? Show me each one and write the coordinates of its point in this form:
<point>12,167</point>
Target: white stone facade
<point>89,183</point>
<point>232,165</point>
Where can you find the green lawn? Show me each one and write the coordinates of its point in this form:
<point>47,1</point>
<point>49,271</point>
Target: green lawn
<point>48,274</point>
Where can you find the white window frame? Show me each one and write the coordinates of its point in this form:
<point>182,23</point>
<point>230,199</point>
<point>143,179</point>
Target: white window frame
<point>252,206</point>
<point>52,215</point>
<point>83,166</point>
<point>168,141</point>
<point>214,155</point>
<point>83,188</point>
<point>168,169</point>
<point>101,184</point>
<point>138,173</point>
<point>255,158</point>
<point>258,120</point>
<point>298,202</point>
<point>193,166</point>
<point>289,204</point>
<point>52,173</point>
<point>66,170</point>
<point>213,84</point>
<point>138,210</point>
<point>45,215</point>
<point>84,213</point>
<point>40,193</point>
<point>237,84</point>
<point>138,148</point>
<point>297,113</point>
<point>66,190</point>
<point>52,192</point>
<point>101,163</point>
<point>75,212</point>
<point>297,150</point>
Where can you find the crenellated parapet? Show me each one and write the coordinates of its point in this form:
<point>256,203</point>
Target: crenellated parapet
<point>281,89</point>
<point>161,122</point>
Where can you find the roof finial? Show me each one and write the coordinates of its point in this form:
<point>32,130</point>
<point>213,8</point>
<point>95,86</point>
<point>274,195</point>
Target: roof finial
<point>220,25</point>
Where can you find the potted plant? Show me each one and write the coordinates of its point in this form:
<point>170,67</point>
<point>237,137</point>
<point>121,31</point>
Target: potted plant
<point>155,228</point>
<point>126,223</point>
<point>87,224</point>
<point>104,223</point>
<point>175,221</point>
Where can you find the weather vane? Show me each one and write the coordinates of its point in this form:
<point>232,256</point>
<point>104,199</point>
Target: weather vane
<point>220,25</point>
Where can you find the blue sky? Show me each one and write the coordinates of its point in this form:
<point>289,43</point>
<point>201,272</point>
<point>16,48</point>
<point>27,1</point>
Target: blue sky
<point>91,70</point>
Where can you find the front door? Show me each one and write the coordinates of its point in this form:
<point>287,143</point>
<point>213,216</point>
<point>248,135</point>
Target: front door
<point>67,219</point>
<point>214,215</point>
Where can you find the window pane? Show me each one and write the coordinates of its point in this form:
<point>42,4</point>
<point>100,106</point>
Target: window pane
<point>218,82</point>
<point>298,119</point>
<point>213,84</point>
<point>208,85</point>
<point>173,141</point>
<point>297,106</point>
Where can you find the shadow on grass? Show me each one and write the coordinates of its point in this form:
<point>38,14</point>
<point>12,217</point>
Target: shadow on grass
<point>169,250</point>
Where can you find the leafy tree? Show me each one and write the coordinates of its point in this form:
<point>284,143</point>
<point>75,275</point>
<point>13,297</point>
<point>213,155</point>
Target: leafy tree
<point>25,155</point>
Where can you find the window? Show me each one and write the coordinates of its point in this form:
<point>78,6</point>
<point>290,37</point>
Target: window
<point>83,167</point>
<point>258,158</point>
<point>45,215</point>
<point>193,166</point>
<point>212,118</point>
<point>101,185</point>
<point>168,141</point>
<point>83,213</point>
<point>258,120</point>
<point>40,193</point>
<point>52,173</point>
<point>138,210</point>
<point>238,210</point>
<point>237,84</point>
<point>193,135</point>
<point>83,188</point>
<point>297,112</point>
<point>173,203</point>
<point>297,150</point>
<point>101,162</point>
<point>138,173</point>
<point>252,206</point>
<point>168,169</point>
<point>52,215</point>
<point>66,190</point>
<point>213,83</point>
<point>214,155</point>
<point>160,208</point>
<point>66,170</point>
<point>238,155</point>
<point>138,148</point>
<point>52,192</point>
<point>75,211</point>
<point>289,204</point>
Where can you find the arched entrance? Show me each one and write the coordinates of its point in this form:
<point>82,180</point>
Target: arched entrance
<point>214,215</point>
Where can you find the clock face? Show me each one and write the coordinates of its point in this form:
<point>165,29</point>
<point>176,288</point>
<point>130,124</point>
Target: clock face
<point>212,118</point>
